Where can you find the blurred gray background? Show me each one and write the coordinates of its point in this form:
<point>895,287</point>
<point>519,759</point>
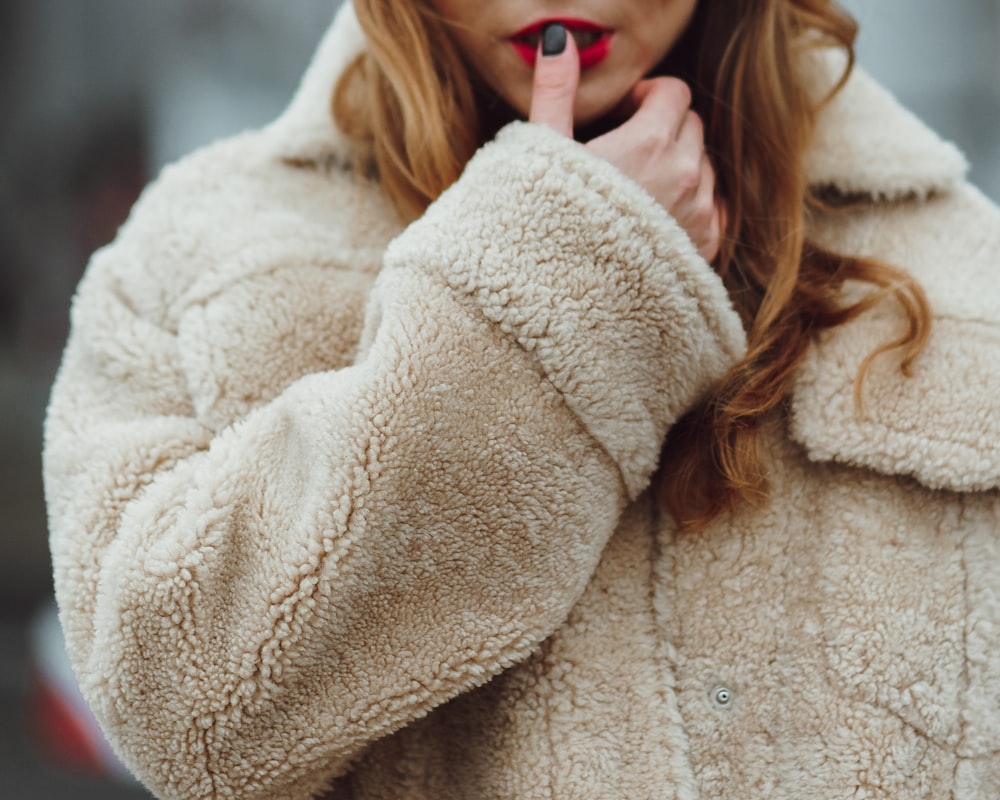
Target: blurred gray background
<point>98,95</point>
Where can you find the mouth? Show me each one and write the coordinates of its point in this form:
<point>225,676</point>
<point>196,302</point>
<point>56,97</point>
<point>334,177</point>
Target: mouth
<point>592,41</point>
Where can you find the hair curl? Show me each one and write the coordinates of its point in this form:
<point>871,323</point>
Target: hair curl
<point>413,104</point>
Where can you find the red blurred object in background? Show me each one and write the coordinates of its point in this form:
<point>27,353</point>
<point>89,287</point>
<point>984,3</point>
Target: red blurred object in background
<point>64,727</point>
<point>61,732</point>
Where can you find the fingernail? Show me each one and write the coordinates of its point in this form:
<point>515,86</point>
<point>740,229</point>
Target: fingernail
<point>553,39</point>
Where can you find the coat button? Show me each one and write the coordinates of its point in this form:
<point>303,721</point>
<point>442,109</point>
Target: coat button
<point>721,696</point>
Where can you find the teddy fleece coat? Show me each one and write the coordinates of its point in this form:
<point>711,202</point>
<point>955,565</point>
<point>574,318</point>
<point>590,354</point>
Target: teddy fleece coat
<point>341,506</point>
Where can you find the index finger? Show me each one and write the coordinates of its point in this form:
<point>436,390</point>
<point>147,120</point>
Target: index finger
<point>557,76</point>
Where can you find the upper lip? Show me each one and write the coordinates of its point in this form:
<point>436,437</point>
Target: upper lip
<point>531,33</point>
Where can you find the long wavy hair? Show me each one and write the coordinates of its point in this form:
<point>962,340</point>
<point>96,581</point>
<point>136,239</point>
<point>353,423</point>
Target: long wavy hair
<point>419,114</point>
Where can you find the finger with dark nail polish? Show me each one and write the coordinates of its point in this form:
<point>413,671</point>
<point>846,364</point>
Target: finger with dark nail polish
<point>554,39</point>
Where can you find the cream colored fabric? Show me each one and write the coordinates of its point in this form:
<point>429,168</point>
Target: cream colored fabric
<point>340,505</point>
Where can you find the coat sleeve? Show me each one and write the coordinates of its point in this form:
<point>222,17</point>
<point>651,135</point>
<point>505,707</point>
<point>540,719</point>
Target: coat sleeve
<point>247,607</point>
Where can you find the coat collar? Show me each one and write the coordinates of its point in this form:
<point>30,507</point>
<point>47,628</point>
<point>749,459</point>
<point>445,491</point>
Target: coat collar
<point>866,142</point>
<point>306,130</point>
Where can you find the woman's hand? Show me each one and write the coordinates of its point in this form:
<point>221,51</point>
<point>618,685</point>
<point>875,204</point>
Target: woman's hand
<point>661,146</point>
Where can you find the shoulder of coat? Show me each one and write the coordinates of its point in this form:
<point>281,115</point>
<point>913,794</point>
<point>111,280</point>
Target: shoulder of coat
<point>234,209</point>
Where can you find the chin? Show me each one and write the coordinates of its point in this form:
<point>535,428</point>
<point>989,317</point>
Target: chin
<point>588,115</point>
<point>590,110</point>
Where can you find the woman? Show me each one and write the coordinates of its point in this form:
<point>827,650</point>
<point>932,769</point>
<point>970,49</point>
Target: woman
<point>351,474</point>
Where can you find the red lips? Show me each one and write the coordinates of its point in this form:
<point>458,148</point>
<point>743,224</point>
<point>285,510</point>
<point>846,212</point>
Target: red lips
<point>592,41</point>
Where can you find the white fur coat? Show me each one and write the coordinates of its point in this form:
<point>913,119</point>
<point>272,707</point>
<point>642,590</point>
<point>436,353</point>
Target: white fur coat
<point>338,506</point>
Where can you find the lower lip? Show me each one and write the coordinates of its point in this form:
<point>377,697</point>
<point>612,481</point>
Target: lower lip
<point>590,57</point>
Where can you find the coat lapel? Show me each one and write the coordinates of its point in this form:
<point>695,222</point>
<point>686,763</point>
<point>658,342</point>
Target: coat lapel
<point>942,424</point>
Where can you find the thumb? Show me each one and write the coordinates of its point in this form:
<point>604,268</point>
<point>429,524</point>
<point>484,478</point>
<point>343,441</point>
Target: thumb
<point>557,75</point>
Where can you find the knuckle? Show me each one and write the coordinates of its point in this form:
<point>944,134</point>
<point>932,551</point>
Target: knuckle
<point>651,142</point>
<point>554,81</point>
<point>552,86</point>
<point>713,247</point>
<point>704,215</point>
<point>694,120</point>
<point>675,91</point>
<point>689,173</point>
<point>658,140</point>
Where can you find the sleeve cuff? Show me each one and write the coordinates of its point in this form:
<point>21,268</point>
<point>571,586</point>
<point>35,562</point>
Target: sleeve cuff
<point>590,275</point>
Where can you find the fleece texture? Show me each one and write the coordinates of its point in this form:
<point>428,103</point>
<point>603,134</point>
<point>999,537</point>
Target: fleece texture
<point>341,507</point>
